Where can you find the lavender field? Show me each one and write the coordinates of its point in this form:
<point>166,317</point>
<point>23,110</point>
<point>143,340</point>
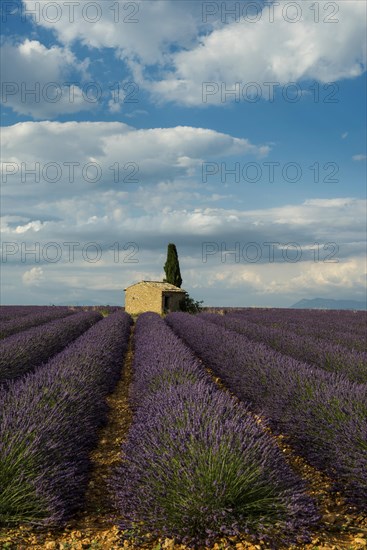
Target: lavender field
<point>240,427</point>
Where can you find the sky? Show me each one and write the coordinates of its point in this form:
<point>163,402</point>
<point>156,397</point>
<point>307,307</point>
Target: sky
<point>235,130</point>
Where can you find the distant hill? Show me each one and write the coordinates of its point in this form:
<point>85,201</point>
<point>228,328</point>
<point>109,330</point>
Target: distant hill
<point>324,303</point>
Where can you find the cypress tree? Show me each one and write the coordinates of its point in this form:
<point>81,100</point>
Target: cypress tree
<point>172,267</point>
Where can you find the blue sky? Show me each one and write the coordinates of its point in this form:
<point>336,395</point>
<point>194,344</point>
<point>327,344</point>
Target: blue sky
<point>162,121</point>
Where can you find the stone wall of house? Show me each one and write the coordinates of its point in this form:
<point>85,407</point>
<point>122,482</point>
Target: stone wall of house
<point>140,298</point>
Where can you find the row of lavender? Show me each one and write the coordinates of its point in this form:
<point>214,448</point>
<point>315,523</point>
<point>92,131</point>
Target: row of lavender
<point>49,421</point>
<point>329,356</point>
<point>323,414</point>
<point>107,310</point>
<point>349,335</point>
<point>13,312</point>
<point>23,352</point>
<point>340,317</point>
<point>38,316</point>
<point>197,464</point>
<point>332,325</point>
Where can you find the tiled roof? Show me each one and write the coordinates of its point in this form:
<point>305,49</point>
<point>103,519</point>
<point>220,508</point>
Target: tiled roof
<point>158,284</point>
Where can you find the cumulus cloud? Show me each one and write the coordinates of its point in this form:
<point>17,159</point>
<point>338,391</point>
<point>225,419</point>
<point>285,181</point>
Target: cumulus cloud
<point>273,50</point>
<point>219,283</point>
<point>33,277</point>
<point>78,157</point>
<point>132,245</point>
<point>139,29</point>
<point>285,283</point>
<point>35,80</point>
<point>172,48</point>
<point>337,226</point>
<point>169,197</point>
<point>167,164</point>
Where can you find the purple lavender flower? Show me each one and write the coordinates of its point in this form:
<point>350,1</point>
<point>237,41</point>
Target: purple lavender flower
<point>196,463</point>
<point>49,422</point>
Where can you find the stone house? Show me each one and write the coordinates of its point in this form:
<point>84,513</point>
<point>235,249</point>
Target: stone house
<point>154,296</point>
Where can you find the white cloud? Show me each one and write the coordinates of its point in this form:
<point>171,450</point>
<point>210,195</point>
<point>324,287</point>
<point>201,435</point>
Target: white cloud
<point>111,153</point>
<point>273,51</point>
<point>148,215</point>
<point>114,106</point>
<point>136,113</point>
<point>298,279</point>
<point>33,277</point>
<point>34,80</point>
<point>344,135</point>
<point>171,37</point>
<point>34,225</point>
<point>265,282</point>
<point>145,30</point>
<point>359,157</point>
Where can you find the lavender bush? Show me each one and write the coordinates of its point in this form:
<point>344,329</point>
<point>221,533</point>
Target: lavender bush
<point>330,325</point>
<point>13,312</point>
<point>331,357</point>
<point>23,352</point>
<point>154,371</point>
<point>196,464</point>
<point>317,410</point>
<point>327,329</point>
<point>33,319</point>
<point>48,426</point>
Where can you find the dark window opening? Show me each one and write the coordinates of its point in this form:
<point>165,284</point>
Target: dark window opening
<point>166,303</point>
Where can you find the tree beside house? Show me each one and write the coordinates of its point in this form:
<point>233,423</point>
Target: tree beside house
<point>161,296</point>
